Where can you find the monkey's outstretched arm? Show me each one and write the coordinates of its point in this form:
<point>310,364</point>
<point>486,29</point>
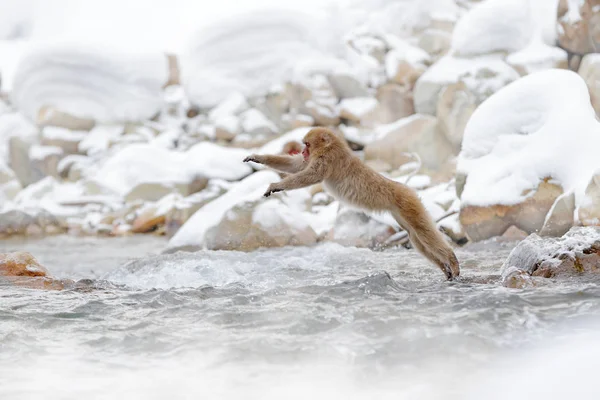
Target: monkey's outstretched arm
<point>289,164</point>
<point>304,178</point>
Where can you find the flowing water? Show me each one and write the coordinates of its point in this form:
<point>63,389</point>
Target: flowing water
<point>327,322</point>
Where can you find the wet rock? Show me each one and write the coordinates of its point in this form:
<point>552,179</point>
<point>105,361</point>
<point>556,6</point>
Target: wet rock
<point>590,72</point>
<point>418,134</point>
<point>253,225</point>
<point>560,218</point>
<point>589,210</point>
<point>579,26</point>
<point>22,269</point>
<point>484,222</point>
<point>574,255</point>
<point>51,116</point>
<point>455,106</point>
<point>354,228</point>
<point>514,278</point>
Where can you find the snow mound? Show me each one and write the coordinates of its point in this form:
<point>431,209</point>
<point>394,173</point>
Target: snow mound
<point>192,233</point>
<point>14,124</point>
<point>249,53</point>
<point>143,163</point>
<point>505,25</point>
<point>541,125</point>
<point>90,82</point>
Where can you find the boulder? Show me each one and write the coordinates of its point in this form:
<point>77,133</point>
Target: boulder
<point>483,76</point>
<point>154,215</point>
<point>153,191</point>
<point>590,72</point>
<point>227,127</point>
<point>18,155</point>
<point>66,139</point>
<point>44,161</point>
<point>405,64</point>
<point>347,86</point>
<point>419,134</point>
<point>254,123</point>
<point>252,225</point>
<point>484,222</point>
<point>455,106</point>
<point>357,109</point>
<point>574,255</point>
<point>15,222</point>
<point>579,26</point>
<point>23,269</point>
<point>9,184</point>
<point>51,116</point>
<point>355,228</point>
<point>560,217</point>
<point>435,42</point>
<point>589,209</point>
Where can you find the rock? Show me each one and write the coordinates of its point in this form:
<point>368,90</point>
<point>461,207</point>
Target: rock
<point>560,218</point>
<point>22,269</point>
<point>405,64</point>
<point>589,210</point>
<point>515,278</point>
<point>483,76</point>
<point>50,116</point>
<point>484,222</point>
<point>234,104</point>
<point>435,42</point>
<point>227,128</point>
<point>455,106</point>
<point>514,234</point>
<point>174,73</point>
<point>100,139</point>
<point>18,150</point>
<point>369,45</point>
<point>44,161</point>
<point>355,228</point>
<point>72,167</point>
<point>538,57</point>
<point>294,121</point>
<point>153,191</point>
<point>574,255</point>
<point>152,216</point>
<point>67,140</point>
<point>416,134</point>
<point>323,115</point>
<point>184,209</point>
<point>590,72</point>
<point>579,26</point>
<point>14,222</point>
<point>356,109</point>
<point>274,104</point>
<point>347,86</point>
<point>253,225</point>
<point>255,123</point>
<point>453,229</point>
<point>395,102</point>
<point>9,184</point>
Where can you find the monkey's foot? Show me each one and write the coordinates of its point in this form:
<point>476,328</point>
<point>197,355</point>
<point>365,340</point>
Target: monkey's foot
<point>451,273</point>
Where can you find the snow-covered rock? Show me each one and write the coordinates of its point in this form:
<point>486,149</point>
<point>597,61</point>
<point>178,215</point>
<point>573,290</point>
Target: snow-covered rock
<point>579,26</point>
<point>44,161</point>
<point>589,209</point>
<point>100,138</point>
<point>395,102</point>
<point>355,228</point>
<point>406,63</point>
<point>249,53</point>
<point>455,106</point>
<point>90,82</point>
<point>14,125</point>
<point>255,123</point>
<point>575,254</point>
<point>415,134</point>
<point>9,184</point>
<point>66,139</point>
<point>145,163</point>
<point>193,234</point>
<point>508,151</point>
<point>50,116</point>
<point>358,108</point>
<point>252,225</point>
<point>483,76</point>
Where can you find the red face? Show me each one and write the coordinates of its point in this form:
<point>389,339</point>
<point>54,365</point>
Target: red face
<point>306,151</point>
<point>293,152</point>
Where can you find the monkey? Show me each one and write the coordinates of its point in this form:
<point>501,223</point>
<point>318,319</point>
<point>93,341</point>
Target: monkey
<point>292,148</point>
<point>328,159</point>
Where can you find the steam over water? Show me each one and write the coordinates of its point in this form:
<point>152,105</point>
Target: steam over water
<point>326,322</point>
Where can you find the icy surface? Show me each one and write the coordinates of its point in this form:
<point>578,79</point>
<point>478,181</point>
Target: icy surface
<point>90,82</point>
<point>553,132</point>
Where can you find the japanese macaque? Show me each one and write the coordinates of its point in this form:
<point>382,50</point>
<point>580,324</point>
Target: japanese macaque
<point>327,158</point>
<point>292,148</point>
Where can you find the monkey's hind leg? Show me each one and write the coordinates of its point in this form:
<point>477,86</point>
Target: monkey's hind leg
<point>433,246</point>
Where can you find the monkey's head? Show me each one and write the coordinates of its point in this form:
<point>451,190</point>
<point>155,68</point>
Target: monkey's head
<point>317,141</point>
<point>292,148</point>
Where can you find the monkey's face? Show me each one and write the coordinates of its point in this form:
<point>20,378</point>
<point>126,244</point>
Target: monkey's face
<point>306,151</point>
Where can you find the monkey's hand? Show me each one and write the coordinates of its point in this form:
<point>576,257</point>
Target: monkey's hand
<point>272,189</point>
<point>254,158</point>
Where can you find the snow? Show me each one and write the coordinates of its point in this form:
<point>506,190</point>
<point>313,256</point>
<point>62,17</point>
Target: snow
<point>276,146</point>
<point>483,76</point>
<point>273,213</point>
<point>542,125</point>
<point>250,52</point>
<point>37,152</point>
<point>232,105</point>
<point>249,189</point>
<point>403,51</point>
<point>254,120</point>
<point>140,163</point>
<point>358,107</point>
<point>14,124</point>
<point>537,56</point>
<point>99,138</point>
<point>56,133</point>
<point>90,82</point>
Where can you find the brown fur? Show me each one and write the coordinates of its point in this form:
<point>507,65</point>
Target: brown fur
<point>347,178</point>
